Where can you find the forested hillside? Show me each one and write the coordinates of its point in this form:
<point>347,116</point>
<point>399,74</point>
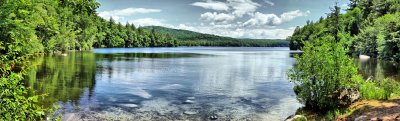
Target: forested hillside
<point>370,27</point>
<point>190,38</point>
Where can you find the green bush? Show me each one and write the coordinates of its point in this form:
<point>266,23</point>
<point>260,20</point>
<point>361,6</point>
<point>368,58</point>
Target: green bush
<point>322,71</point>
<point>14,105</point>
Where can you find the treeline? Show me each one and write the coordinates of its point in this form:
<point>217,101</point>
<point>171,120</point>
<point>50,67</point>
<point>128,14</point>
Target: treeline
<point>190,38</point>
<point>118,35</point>
<point>235,43</point>
<point>370,27</point>
<point>34,26</point>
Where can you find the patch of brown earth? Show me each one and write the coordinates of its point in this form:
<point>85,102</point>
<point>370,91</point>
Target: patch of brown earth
<point>374,110</point>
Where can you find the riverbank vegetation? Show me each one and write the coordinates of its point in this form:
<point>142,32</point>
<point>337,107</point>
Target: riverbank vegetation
<point>325,77</point>
<point>372,28</point>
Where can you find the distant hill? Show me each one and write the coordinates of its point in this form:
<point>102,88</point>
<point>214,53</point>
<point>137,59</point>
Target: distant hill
<point>191,38</point>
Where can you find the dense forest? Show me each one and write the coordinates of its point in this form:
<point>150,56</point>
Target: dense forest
<point>190,38</point>
<point>49,26</point>
<point>326,79</point>
<point>370,27</point>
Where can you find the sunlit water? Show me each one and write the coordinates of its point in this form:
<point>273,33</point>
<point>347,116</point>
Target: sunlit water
<point>168,84</point>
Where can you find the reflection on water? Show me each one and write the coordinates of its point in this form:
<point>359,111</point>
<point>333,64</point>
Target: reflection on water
<point>174,83</point>
<point>379,69</point>
<point>168,84</point>
<point>62,78</point>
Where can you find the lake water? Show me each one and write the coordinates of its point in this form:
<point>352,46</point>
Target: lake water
<point>186,83</point>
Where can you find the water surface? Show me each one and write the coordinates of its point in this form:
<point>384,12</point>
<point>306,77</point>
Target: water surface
<point>169,83</point>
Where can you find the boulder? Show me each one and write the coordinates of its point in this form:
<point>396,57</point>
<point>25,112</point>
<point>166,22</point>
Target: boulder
<point>364,57</point>
<point>296,118</point>
<point>349,96</point>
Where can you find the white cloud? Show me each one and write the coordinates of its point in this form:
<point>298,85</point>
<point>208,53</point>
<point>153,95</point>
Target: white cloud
<point>231,30</point>
<point>214,5</point>
<point>236,7</point>
<point>121,13</point>
<point>260,19</point>
<point>269,2</point>
<point>242,7</point>
<point>225,20</point>
<point>288,16</point>
<point>263,19</point>
<point>150,22</point>
<point>217,17</point>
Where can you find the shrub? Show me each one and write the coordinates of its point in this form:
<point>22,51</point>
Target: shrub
<point>321,72</point>
<point>14,105</point>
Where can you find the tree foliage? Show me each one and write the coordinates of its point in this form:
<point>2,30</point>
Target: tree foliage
<point>372,24</point>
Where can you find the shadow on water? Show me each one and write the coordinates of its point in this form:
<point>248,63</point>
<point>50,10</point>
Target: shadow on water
<point>132,56</point>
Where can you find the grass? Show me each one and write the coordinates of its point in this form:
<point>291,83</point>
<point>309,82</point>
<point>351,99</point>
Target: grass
<point>383,90</point>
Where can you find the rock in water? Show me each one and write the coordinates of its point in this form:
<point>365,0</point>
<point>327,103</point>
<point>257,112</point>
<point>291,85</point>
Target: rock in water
<point>364,57</point>
<point>213,117</point>
<point>191,98</point>
<point>296,118</point>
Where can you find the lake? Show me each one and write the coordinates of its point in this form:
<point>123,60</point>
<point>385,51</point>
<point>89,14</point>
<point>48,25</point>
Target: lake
<point>185,83</point>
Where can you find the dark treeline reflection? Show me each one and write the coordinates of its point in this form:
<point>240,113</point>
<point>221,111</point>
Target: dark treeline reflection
<point>62,78</point>
<point>379,69</point>
<point>130,56</point>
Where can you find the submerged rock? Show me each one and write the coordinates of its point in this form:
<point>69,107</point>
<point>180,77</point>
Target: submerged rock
<point>71,117</point>
<point>190,112</point>
<point>188,102</point>
<point>129,105</point>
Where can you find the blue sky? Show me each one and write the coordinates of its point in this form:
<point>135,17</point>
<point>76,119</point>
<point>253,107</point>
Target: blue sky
<point>260,19</point>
